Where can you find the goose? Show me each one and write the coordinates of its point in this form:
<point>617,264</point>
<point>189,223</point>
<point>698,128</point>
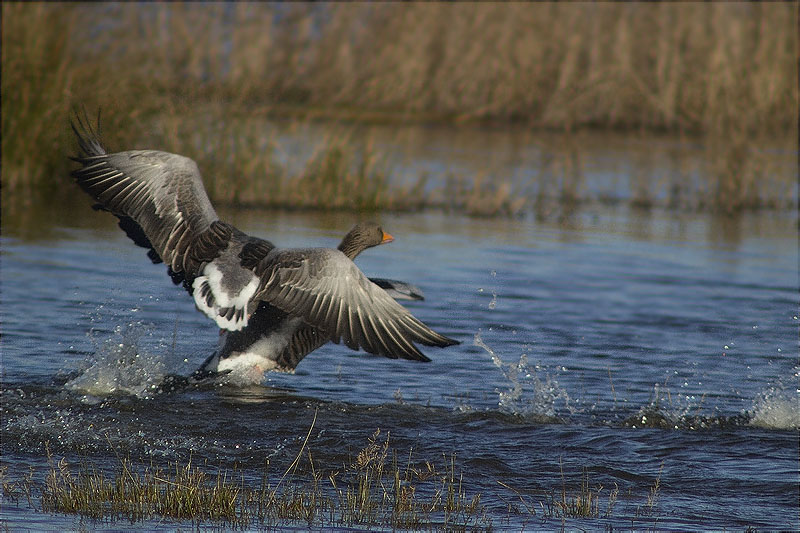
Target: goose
<point>273,305</point>
<point>274,341</point>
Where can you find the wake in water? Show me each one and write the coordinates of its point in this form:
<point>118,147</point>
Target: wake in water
<point>129,361</point>
<point>531,396</point>
<point>776,408</point>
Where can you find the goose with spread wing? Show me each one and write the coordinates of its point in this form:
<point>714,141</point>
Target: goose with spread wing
<point>274,340</point>
<point>312,295</point>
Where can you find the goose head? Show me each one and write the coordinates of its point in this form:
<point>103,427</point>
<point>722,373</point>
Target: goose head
<point>362,236</point>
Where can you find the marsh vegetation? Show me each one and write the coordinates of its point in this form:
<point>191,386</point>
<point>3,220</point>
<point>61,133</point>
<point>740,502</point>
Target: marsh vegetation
<point>379,486</point>
<point>191,80</point>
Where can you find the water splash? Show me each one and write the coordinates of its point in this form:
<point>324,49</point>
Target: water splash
<point>528,396</point>
<point>778,407</point>
<point>120,366</point>
<point>493,302</point>
<point>668,411</point>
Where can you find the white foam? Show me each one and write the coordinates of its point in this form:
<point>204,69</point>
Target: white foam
<point>777,409</point>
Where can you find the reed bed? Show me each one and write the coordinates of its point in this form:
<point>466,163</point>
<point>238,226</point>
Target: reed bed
<point>167,73</point>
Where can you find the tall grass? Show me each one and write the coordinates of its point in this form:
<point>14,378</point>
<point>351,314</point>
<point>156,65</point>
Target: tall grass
<point>702,67</point>
<point>39,67</point>
<point>724,71</point>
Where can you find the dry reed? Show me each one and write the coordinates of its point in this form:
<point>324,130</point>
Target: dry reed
<point>177,75</point>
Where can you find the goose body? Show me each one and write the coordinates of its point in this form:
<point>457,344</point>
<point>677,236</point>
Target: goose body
<point>274,340</point>
<point>273,305</point>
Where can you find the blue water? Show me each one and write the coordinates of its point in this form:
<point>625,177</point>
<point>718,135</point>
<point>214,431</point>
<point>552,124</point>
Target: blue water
<point>627,347</point>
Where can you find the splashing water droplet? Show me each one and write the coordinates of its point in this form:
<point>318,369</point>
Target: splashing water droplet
<point>528,395</point>
<point>120,366</point>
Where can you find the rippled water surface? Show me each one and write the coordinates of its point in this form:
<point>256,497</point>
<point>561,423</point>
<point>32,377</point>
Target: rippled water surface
<point>632,348</point>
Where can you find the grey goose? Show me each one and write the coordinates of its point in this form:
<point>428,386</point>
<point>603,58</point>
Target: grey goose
<point>277,304</point>
<point>268,327</point>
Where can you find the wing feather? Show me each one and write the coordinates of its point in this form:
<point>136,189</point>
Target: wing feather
<point>162,204</point>
<point>161,192</point>
<point>330,293</point>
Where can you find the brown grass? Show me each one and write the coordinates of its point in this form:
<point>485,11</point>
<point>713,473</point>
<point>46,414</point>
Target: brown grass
<point>181,77</point>
<point>375,489</point>
<point>699,67</point>
<point>378,487</point>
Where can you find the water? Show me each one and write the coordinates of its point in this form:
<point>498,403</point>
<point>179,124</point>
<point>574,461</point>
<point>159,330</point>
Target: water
<point>627,347</point>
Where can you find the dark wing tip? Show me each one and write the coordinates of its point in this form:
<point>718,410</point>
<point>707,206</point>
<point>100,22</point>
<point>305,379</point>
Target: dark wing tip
<point>450,342</point>
<point>87,136</point>
<point>442,342</point>
<point>399,290</point>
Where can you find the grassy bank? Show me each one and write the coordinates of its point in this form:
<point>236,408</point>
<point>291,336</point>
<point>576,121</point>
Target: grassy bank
<point>725,72</point>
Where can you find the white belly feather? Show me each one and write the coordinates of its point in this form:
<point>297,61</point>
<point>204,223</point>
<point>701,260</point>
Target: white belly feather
<point>261,354</point>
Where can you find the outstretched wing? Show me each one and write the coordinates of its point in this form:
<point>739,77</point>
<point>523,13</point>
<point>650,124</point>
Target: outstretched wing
<point>329,292</point>
<point>162,193</point>
<point>161,203</point>
<point>308,338</point>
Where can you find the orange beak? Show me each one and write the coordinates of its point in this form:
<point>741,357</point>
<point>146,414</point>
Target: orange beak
<point>386,238</point>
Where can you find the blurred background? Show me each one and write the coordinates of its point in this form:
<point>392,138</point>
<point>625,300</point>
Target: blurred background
<point>485,109</point>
